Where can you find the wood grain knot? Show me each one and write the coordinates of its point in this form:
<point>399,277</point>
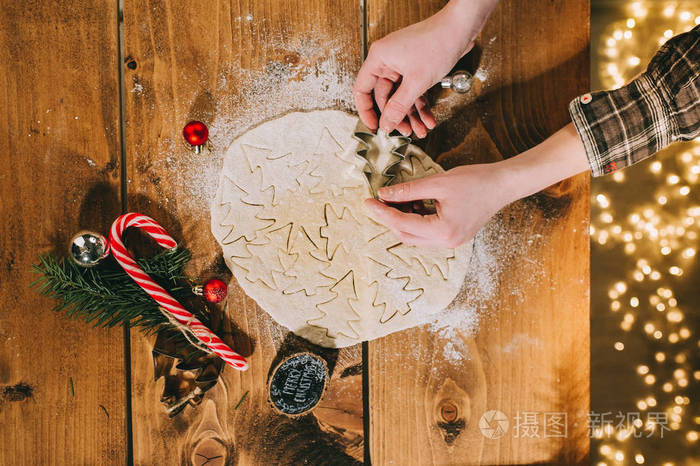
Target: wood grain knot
<point>448,411</point>
<point>452,425</point>
<point>17,392</point>
<point>451,410</point>
<point>130,63</point>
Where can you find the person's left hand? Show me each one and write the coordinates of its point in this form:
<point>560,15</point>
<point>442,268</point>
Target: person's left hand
<point>465,197</point>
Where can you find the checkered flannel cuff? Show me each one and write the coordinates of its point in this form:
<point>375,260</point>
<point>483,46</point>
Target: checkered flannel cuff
<point>624,126</point>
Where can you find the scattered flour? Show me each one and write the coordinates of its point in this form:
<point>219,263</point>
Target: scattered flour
<point>138,87</point>
<point>481,74</point>
<point>519,341</point>
<point>304,74</point>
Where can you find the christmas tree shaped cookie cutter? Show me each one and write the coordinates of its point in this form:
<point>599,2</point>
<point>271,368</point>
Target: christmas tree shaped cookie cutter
<point>382,155</point>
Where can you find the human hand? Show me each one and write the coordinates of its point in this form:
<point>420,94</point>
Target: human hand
<point>465,197</point>
<point>410,61</point>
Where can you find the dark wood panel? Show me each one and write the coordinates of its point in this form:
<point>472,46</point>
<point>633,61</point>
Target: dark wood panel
<point>62,387</point>
<point>530,352</point>
<point>231,65</point>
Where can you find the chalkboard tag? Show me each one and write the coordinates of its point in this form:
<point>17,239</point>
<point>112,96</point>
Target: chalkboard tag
<point>297,384</point>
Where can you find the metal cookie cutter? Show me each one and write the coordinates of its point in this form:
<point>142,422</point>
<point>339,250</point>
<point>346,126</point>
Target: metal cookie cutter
<point>382,155</point>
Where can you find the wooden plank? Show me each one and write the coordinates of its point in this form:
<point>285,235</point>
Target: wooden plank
<point>62,388</point>
<point>530,353</point>
<point>232,65</point>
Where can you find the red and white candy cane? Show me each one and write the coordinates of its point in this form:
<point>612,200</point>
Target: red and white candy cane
<point>157,292</point>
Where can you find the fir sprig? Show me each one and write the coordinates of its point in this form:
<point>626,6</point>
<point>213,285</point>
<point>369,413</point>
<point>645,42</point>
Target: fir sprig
<point>105,296</point>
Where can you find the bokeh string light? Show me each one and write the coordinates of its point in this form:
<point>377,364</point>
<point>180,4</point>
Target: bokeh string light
<point>659,236</point>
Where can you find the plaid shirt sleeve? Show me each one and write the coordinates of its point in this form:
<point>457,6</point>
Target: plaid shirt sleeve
<point>626,125</point>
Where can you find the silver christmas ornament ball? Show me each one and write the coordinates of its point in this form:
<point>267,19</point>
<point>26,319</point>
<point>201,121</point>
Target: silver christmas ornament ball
<point>87,249</point>
<point>460,81</point>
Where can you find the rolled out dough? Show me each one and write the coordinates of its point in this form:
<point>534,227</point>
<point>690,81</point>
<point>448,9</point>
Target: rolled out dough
<point>290,219</point>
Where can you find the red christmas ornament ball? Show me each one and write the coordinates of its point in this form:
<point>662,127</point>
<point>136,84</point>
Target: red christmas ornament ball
<point>196,133</point>
<point>214,290</point>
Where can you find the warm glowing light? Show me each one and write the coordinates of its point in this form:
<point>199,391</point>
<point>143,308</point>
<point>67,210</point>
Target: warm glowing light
<point>639,459</point>
<point>668,33</point>
<point>619,346</point>
<point>602,200</point>
<point>684,190</point>
<point>650,379</point>
<point>617,34</point>
<point>634,301</point>
<point>655,167</point>
<point>627,34</point>
<point>691,436</point>
<point>660,357</point>
<point>672,179</point>
<point>642,369</point>
<point>675,270</point>
<point>684,16</point>
<point>667,387</point>
<point>630,22</point>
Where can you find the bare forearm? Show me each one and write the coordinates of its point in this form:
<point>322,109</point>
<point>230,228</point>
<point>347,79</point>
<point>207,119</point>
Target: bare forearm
<point>558,157</point>
<point>468,16</point>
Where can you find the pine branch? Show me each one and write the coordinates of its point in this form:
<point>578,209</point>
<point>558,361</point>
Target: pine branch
<point>105,296</point>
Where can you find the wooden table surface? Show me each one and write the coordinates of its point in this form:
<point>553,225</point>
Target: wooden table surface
<point>94,100</point>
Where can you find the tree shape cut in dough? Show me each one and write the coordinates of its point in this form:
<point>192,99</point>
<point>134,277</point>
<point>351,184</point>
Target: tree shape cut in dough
<point>333,230</point>
<point>252,185</point>
<point>307,268</point>
<point>432,260</point>
<point>260,263</point>
<point>339,309</point>
<point>258,156</point>
<point>331,171</point>
<point>240,218</point>
<point>393,292</point>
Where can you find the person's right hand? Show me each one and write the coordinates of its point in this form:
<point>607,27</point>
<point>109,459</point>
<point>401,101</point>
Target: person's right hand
<point>410,61</point>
